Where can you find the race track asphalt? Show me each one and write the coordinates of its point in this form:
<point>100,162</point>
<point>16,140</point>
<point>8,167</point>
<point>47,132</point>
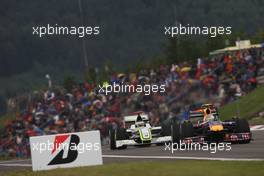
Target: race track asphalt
<point>248,152</point>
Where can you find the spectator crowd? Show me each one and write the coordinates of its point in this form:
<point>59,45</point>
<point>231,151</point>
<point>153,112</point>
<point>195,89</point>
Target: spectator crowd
<point>218,80</point>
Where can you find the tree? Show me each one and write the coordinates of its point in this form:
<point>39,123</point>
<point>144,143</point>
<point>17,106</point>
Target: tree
<point>68,83</point>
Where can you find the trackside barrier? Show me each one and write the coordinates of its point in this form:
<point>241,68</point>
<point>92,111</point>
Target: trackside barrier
<point>66,150</point>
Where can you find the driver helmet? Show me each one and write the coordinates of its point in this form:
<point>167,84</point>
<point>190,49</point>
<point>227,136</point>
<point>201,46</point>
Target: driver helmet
<point>140,124</point>
<point>208,115</point>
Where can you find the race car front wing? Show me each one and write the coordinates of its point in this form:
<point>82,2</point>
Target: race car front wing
<point>228,137</point>
<point>158,140</point>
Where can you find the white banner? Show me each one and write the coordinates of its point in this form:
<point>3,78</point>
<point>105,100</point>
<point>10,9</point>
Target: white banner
<point>66,150</point>
<point>243,44</point>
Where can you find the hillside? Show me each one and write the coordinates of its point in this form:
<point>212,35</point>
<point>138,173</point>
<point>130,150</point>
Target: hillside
<point>249,105</point>
<point>130,32</point>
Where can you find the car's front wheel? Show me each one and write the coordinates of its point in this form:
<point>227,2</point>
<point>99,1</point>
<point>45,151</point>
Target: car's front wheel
<point>117,134</point>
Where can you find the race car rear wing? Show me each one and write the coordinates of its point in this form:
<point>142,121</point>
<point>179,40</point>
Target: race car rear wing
<point>131,119</point>
<point>200,113</point>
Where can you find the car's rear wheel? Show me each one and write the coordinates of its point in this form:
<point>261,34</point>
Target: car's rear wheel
<point>180,131</point>
<point>242,126</point>
<point>166,129</point>
<point>187,130</point>
<point>176,132</point>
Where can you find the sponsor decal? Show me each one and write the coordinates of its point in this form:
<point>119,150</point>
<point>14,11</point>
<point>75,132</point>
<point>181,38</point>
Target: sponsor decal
<point>66,150</point>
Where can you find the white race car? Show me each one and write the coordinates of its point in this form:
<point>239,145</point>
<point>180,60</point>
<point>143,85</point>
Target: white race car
<point>137,131</point>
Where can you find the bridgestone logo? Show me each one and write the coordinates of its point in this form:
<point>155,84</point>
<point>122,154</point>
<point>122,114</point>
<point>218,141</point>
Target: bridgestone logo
<point>72,152</point>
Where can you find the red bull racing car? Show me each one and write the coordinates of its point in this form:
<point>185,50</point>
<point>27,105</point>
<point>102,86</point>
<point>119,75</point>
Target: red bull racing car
<point>204,125</point>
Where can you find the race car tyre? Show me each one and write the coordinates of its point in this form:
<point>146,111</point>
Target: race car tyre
<point>165,129</point>
<point>242,126</point>
<point>187,130</point>
<point>112,139</point>
<point>117,134</point>
<point>176,132</point>
<point>121,135</point>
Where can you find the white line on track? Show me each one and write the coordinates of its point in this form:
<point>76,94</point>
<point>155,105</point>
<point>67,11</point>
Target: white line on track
<point>257,128</point>
<point>17,163</point>
<point>14,161</point>
<point>182,157</point>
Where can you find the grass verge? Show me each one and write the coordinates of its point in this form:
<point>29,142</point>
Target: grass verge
<point>249,105</point>
<point>257,121</point>
<point>179,167</point>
